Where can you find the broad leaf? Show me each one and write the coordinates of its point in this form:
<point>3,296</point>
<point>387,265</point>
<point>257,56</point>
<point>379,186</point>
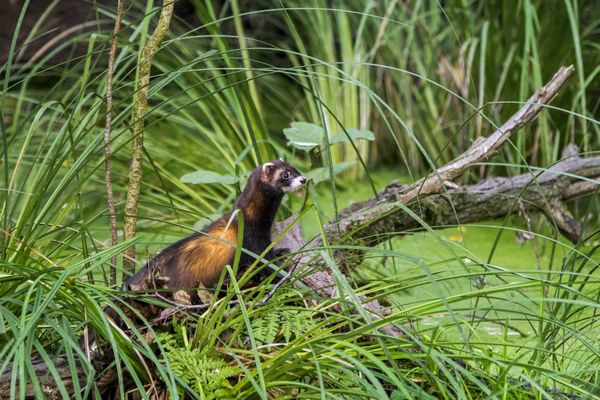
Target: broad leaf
<point>304,135</point>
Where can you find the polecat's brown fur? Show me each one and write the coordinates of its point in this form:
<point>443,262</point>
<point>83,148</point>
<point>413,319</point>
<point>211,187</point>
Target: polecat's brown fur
<point>201,257</point>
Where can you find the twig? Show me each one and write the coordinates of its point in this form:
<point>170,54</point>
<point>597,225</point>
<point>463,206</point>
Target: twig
<point>107,179</point>
<point>179,306</point>
<point>277,286</point>
<point>140,102</point>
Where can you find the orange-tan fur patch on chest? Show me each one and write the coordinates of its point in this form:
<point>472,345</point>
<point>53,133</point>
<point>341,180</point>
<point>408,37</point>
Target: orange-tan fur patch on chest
<point>203,258</point>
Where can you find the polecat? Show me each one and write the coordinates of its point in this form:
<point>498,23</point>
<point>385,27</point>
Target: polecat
<point>201,257</point>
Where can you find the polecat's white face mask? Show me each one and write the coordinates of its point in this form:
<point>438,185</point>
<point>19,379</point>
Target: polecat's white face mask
<point>294,184</point>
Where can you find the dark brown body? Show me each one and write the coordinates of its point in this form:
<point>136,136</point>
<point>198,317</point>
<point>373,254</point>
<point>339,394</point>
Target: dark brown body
<point>200,258</point>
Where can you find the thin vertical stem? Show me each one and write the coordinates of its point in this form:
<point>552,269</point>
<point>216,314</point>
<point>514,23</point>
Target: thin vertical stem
<point>107,128</point>
<point>137,124</point>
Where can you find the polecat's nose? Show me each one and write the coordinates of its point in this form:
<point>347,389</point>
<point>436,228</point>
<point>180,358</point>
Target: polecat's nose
<point>302,179</point>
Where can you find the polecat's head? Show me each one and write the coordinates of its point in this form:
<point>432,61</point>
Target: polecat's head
<point>280,176</point>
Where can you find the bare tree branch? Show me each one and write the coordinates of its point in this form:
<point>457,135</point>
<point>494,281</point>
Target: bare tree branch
<point>485,147</point>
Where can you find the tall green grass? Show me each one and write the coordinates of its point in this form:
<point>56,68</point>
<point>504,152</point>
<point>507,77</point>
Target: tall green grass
<point>427,79</point>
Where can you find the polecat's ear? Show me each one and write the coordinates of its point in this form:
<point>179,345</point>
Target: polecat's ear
<point>268,169</point>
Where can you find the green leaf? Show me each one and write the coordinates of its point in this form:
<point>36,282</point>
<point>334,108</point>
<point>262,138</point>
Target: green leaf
<point>355,134</point>
<point>322,174</point>
<point>203,176</point>
<point>303,135</point>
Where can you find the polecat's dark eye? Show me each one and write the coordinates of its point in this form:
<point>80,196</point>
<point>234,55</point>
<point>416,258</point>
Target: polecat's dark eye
<point>285,175</point>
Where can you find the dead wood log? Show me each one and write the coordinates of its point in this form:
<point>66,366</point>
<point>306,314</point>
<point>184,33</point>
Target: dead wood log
<point>494,197</point>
